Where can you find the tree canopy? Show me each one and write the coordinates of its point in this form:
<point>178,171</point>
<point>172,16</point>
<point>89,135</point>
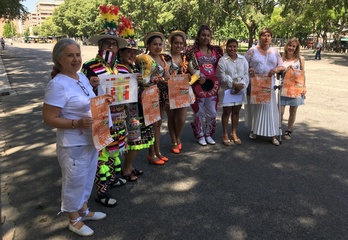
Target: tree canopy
<point>10,9</point>
<point>228,18</point>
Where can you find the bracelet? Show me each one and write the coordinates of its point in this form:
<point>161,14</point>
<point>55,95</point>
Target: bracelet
<point>72,124</point>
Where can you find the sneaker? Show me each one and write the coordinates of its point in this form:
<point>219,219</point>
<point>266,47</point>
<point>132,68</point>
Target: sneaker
<point>210,140</point>
<point>202,141</point>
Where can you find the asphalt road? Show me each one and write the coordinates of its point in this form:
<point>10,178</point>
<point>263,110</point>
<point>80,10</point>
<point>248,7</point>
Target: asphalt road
<point>298,190</point>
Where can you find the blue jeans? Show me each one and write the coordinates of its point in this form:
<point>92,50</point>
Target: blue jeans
<point>317,54</point>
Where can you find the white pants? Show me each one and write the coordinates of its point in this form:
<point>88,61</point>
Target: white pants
<point>78,166</point>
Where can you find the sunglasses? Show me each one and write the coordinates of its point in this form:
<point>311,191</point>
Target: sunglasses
<point>83,88</point>
<point>109,44</point>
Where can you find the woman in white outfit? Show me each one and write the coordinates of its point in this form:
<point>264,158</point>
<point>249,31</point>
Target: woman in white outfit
<point>232,71</point>
<point>67,108</point>
<point>263,59</point>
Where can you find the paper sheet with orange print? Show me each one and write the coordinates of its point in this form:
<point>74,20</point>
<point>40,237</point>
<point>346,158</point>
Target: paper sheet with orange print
<point>151,107</point>
<point>101,122</point>
<point>293,83</point>
<point>261,88</point>
<point>178,89</point>
<point>122,87</point>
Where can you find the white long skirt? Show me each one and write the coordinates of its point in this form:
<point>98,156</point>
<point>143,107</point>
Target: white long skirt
<point>263,119</point>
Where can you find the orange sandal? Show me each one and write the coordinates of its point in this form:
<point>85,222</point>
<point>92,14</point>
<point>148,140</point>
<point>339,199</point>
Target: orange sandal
<point>175,148</point>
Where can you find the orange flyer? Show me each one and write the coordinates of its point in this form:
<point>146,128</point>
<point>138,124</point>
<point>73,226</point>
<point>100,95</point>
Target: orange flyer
<point>261,88</point>
<point>293,83</point>
<point>178,88</point>
<point>151,107</point>
<point>100,128</point>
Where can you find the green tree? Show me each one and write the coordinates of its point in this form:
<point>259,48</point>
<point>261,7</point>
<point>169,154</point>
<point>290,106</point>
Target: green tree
<point>10,9</point>
<point>36,30</point>
<point>49,28</point>
<point>9,30</point>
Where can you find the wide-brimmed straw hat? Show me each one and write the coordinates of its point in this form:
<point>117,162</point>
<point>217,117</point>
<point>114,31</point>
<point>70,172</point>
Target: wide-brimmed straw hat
<point>176,32</point>
<point>151,34</point>
<point>110,15</point>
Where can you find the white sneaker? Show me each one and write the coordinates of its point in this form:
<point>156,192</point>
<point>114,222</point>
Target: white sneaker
<point>95,217</point>
<point>210,140</point>
<point>84,231</point>
<point>202,141</point>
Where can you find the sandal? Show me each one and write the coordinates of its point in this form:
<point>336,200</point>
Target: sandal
<point>155,160</point>
<point>236,140</point>
<point>137,172</point>
<point>118,183</point>
<point>161,157</point>
<point>179,144</point>
<point>175,148</point>
<point>105,199</point>
<point>227,142</point>
<point>287,135</point>
<point>130,177</point>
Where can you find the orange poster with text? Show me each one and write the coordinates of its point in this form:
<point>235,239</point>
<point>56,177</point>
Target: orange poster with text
<point>293,83</point>
<point>151,107</point>
<point>101,122</point>
<point>261,88</point>
<point>178,88</point>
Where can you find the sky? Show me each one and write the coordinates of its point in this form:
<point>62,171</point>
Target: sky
<point>30,4</point>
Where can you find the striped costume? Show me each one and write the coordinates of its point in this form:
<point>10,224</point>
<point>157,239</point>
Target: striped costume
<point>109,162</point>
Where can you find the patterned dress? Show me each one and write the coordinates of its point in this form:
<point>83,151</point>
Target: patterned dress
<point>205,106</point>
<point>139,135</point>
<point>109,162</point>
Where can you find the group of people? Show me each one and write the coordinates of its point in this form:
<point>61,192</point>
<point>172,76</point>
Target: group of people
<point>214,77</point>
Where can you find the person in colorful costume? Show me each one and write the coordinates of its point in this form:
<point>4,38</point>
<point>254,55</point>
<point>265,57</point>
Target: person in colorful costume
<point>109,162</point>
<point>155,68</point>
<point>206,88</point>
<point>180,63</point>
<point>139,136</point>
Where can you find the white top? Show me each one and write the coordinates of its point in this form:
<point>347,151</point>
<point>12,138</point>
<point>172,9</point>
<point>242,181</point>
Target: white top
<point>64,92</point>
<point>295,64</point>
<point>229,71</point>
